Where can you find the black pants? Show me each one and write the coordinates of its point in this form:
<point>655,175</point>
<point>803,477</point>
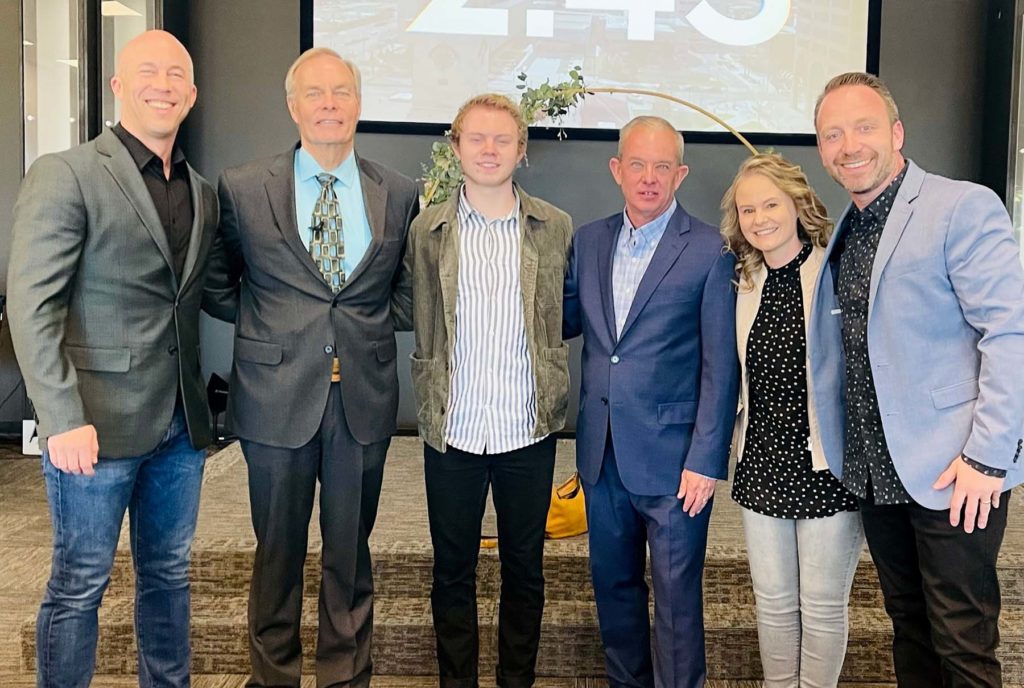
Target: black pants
<point>457,484</point>
<point>282,483</point>
<point>941,592</point>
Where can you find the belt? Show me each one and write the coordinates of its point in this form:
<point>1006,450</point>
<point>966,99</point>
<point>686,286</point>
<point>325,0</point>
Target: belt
<point>335,370</point>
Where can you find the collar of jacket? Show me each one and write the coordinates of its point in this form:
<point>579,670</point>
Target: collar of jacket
<point>528,207</point>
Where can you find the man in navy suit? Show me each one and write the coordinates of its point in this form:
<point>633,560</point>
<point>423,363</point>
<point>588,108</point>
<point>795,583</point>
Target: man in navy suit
<point>650,291</point>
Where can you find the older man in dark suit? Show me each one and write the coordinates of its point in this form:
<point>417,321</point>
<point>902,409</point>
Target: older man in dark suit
<point>107,269</point>
<point>306,266</point>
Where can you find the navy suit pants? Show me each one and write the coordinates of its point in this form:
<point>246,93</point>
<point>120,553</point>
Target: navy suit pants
<point>622,527</point>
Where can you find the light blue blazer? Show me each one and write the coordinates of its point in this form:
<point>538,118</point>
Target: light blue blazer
<point>945,336</point>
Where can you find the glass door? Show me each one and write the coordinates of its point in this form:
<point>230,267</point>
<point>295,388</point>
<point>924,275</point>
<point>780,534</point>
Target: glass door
<point>1015,173</point>
<point>65,41</point>
<point>52,78</point>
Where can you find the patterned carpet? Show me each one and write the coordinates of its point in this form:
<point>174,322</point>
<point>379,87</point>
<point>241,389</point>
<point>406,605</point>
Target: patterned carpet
<point>224,543</point>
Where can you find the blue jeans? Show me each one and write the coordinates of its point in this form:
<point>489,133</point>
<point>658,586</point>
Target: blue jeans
<point>802,570</point>
<point>161,492</point>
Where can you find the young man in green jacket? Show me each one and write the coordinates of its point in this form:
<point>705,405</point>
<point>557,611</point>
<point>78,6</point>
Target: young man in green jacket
<point>491,376</point>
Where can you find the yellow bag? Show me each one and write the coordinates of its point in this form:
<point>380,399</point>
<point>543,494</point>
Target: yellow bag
<point>567,515</point>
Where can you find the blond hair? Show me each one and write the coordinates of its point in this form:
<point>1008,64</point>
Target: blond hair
<point>812,224</point>
<point>289,77</point>
<point>860,79</point>
<point>492,101</point>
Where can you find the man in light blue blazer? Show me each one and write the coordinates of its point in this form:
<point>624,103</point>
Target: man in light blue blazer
<point>916,349</point>
<point>650,291</point>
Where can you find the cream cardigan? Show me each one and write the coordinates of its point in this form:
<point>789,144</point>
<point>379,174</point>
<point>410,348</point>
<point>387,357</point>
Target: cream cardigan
<point>747,304</point>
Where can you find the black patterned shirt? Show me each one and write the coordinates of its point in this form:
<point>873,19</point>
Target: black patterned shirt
<point>868,470</point>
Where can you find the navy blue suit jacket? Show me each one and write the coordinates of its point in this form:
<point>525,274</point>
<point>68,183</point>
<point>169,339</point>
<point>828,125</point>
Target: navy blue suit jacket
<point>668,385</point>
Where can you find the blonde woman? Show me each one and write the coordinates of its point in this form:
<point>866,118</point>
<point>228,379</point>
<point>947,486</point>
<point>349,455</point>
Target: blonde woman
<point>803,532</point>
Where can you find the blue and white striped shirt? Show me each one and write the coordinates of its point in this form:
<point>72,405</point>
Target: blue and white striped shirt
<point>633,252</point>
<point>492,405</point>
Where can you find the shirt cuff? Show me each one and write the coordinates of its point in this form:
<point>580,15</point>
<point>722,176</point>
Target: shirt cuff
<point>983,469</point>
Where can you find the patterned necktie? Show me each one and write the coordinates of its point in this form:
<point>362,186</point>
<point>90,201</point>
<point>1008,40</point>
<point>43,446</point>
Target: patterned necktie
<point>326,244</point>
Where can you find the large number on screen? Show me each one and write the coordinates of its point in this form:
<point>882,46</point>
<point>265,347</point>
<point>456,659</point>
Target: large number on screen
<point>757,29</point>
<point>453,17</point>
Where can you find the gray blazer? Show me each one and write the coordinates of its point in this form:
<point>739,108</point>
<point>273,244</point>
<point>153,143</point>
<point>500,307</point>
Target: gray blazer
<point>945,336</point>
<point>289,325</point>
<point>103,330</point>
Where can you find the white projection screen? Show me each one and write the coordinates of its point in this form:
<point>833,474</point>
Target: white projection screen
<point>758,64</point>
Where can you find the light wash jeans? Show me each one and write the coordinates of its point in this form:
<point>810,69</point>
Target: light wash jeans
<point>160,490</point>
<point>802,570</point>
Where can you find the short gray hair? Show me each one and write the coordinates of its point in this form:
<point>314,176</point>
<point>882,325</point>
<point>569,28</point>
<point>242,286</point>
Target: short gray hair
<point>289,78</point>
<point>651,122</point>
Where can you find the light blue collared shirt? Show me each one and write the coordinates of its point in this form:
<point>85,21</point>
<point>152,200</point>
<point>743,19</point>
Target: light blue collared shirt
<point>354,223</point>
<point>633,252</point>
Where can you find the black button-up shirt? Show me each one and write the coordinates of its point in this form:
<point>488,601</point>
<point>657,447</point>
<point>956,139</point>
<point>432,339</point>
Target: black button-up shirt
<point>868,471</point>
<point>171,197</point>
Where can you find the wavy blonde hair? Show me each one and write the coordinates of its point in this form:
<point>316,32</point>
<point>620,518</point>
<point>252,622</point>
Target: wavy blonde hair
<point>492,101</point>
<point>812,225</point>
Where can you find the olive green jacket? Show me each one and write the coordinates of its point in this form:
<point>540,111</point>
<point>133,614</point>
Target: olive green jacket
<point>432,265</point>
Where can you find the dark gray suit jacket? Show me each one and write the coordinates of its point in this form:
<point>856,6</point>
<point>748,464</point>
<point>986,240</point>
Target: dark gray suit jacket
<point>103,330</point>
<point>289,325</point>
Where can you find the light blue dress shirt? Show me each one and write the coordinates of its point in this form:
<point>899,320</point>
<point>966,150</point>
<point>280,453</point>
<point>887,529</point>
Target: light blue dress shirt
<point>633,252</point>
<point>354,223</point>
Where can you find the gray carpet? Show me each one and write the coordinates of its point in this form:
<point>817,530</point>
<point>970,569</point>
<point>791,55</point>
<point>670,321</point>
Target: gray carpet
<point>571,650</point>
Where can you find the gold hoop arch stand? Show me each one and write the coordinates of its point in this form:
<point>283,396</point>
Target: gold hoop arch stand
<point>693,106</point>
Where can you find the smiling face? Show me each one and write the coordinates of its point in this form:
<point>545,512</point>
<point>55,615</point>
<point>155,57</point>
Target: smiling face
<point>649,172</point>
<point>488,147</point>
<point>768,219</point>
<point>324,104</point>
<point>154,84</point>
<point>859,146</point>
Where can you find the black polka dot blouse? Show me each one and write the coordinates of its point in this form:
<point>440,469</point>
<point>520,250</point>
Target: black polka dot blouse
<point>774,477</point>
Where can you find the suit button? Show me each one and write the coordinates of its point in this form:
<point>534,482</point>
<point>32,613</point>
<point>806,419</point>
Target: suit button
<point>328,349</point>
<point>172,349</point>
<point>604,400</point>
<point>615,359</point>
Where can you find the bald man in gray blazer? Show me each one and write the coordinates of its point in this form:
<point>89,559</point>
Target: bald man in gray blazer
<point>306,266</point>
<point>106,277</point>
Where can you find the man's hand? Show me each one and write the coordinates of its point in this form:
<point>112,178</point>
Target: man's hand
<point>74,451</point>
<point>973,491</point>
<point>696,491</point>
